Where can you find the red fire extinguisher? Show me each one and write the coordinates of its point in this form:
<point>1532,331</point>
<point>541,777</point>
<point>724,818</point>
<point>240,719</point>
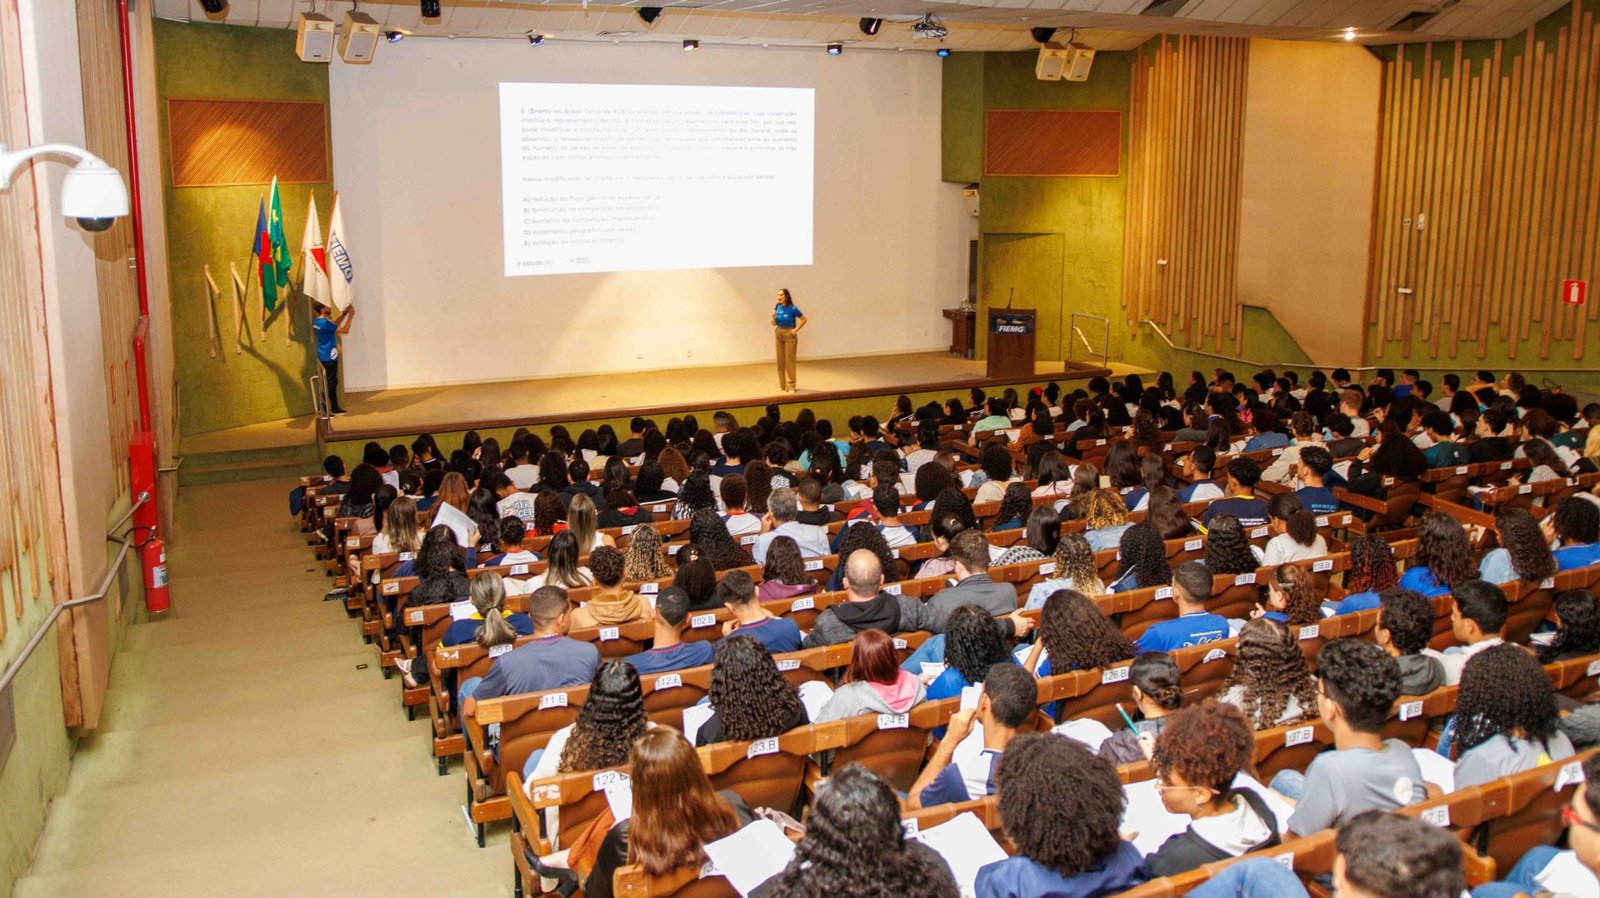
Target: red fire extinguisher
<point>153,558</point>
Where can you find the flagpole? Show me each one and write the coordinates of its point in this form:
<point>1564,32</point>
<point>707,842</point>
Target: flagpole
<point>211,310</point>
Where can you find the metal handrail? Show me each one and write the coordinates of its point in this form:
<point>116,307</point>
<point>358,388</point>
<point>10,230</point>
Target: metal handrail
<point>126,543</point>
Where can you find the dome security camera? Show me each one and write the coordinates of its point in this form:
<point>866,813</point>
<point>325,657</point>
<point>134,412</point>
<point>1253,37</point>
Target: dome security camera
<point>92,191</point>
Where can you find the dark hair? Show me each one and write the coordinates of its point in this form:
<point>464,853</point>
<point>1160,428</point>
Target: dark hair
<point>708,532</point>
<point>1121,466</point>
<point>735,588</point>
<point>605,563</point>
<point>1207,744</point>
<point>1577,520</point>
<point>1060,804</point>
<point>1227,548</point>
<point>1015,503</point>
<point>611,718</point>
<point>1301,524</point>
<point>1158,677</point>
<point>1372,566</point>
<point>864,535</point>
<point>1579,632</point>
<point>1245,471</point>
<point>931,479</point>
<point>1302,605</point>
<point>1271,668</point>
<point>1504,690</point>
<point>673,605</point>
<point>1362,679</point>
<point>973,643</point>
<point>784,563</point>
<point>1390,856</point>
<point>438,555</point>
<point>512,531</point>
<point>752,698</point>
<point>1145,555</point>
<point>1013,693</point>
<point>1531,557</point>
<point>1483,603</point>
<point>953,501</point>
<point>996,463</point>
<point>696,577</point>
<point>1408,617</point>
<point>1078,636</point>
<point>1443,548</point>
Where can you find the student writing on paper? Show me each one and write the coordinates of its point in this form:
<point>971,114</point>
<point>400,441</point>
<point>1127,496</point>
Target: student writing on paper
<point>854,846</point>
<point>675,813</point>
<point>752,698</point>
<point>1157,688</point>
<point>1506,717</point>
<point>1196,759</point>
<point>1009,697</point>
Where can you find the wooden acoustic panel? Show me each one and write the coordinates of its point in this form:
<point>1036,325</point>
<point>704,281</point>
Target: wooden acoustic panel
<point>221,142</point>
<point>1053,142</point>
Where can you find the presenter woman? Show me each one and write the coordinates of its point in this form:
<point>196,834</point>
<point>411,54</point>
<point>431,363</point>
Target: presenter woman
<point>787,320</point>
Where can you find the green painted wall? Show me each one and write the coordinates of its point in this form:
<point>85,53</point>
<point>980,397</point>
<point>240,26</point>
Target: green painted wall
<point>214,226</point>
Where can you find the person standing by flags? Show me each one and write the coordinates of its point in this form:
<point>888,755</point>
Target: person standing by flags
<point>327,330</point>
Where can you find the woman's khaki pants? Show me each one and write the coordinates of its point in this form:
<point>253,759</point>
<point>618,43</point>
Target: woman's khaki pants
<point>786,344</point>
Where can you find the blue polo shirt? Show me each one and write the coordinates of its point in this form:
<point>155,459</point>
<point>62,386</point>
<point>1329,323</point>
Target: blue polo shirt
<point>327,338</point>
<point>1195,628</point>
<point>778,634</point>
<point>677,657</point>
<point>1317,499</point>
<point>1571,557</point>
<point>1420,579</point>
<point>786,316</point>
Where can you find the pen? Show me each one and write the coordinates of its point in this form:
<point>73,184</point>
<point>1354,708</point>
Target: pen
<point>1126,719</point>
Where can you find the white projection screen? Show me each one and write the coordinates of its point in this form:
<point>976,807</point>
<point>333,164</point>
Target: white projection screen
<point>728,183</point>
<point>866,236</point>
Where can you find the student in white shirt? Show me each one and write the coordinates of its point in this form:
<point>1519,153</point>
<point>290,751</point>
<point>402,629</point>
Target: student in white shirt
<point>522,474</point>
<point>1294,531</point>
<point>734,496</point>
<point>886,500</point>
<point>1350,405</point>
<point>782,508</point>
<point>1477,615</point>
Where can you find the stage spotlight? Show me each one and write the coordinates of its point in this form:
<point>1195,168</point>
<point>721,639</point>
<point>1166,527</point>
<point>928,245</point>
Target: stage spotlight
<point>535,39</point>
<point>649,14</point>
<point>691,45</point>
<point>835,49</point>
<point>214,7</point>
<point>1349,34</point>
<point>942,52</point>
<point>394,37</point>
<point>430,9</point>
<point>1043,35</point>
<point>870,26</point>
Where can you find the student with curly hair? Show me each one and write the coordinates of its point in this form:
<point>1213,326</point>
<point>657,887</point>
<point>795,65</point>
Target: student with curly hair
<point>1014,507</point>
<point>1506,717</point>
<point>1196,759</point>
<point>1292,597</point>
<point>707,531</point>
<point>1577,618</point>
<point>974,641</point>
<point>1074,635</point>
<point>611,604</point>
<point>1359,683</point>
<point>1477,617</point>
<point>1523,554</point>
<point>1294,530</point>
<point>751,698</point>
<point>644,559</point>
<point>1105,518</point>
<point>854,846</point>
<point>1270,682</point>
<point>548,514</point>
<point>1075,570</point>
<point>784,575</point>
<point>1061,808</point>
<point>694,495</point>
<point>611,718</point>
<point>1372,571</point>
<point>1444,556</point>
<point>1405,625</point>
<point>952,501</point>
<point>1143,560</point>
<point>1576,526</point>
<point>1389,856</point>
<point>1228,550</point>
<point>997,472</point>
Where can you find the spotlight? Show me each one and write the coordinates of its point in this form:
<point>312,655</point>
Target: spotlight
<point>214,7</point>
<point>535,39</point>
<point>649,14</point>
<point>835,49</point>
<point>1043,35</point>
<point>394,37</point>
<point>691,45</point>
<point>942,52</point>
<point>430,9</point>
<point>1349,34</point>
<point>870,26</point>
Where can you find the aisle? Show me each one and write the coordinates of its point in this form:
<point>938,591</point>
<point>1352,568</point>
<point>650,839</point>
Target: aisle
<point>244,751</point>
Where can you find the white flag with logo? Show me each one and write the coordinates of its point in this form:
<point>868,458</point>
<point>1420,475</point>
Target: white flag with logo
<point>341,276</point>
<point>313,258</point>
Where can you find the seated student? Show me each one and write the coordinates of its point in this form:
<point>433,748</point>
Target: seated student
<point>1316,464</point>
<point>1241,501</point>
<point>1156,685</point>
<point>738,592</point>
<point>611,604</point>
<point>1341,441</point>
<point>511,533</point>
<point>439,566</point>
<point>1350,402</point>
<point>1015,506</point>
<point>1142,559</point>
<point>1405,624</point>
<point>1581,816</point>
<point>1444,556</point>
<point>751,699</point>
<point>1008,701</point>
<point>739,520</point>
<point>1227,550</point>
<point>1196,759</point>
<point>1197,468</point>
<point>1061,807</point>
<point>784,575</point>
<point>1445,451</point>
<point>622,509</point>
<point>697,577</point>
<point>866,606</point>
<point>1270,681</point>
<point>1194,625</point>
<point>579,484</point>
<point>1575,526</point>
<point>998,474</point>
<point>1476,618</point>
<point>1105,518</point>
<point>1364,772</point>
<point>609,721</point>
<point>783,507</point>
<point>1294,529</point>
<point>1075,570</point>
<point>1074,635</point>
<point>1576,614</point>
<point>399,534</point>
<point>549,661</point>
<point>563,570</point>
<point>970,551</point>
<point>854,845</point>
<point>490,624</point>
<point>995,417</point>
<point>650,486</point>
<point>510,500</point>
<point>1492,444</point>
<point>973,643</point>
<point>667,650</point>
<point>1372,571</point>
<point>886,501</point>
<point>1291,597</point>
<point>1506,715</point>
<point>874,682</point>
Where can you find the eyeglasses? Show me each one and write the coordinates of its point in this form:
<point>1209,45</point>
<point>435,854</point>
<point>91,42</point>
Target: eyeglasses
<point>1569,817</point>
<point>1167,787</point>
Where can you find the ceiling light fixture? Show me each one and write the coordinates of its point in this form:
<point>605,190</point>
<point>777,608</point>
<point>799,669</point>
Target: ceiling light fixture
<point>943,52</point>
<point>535,39</point>
<point>835,49</point>
<point>691,45</point>
<point>1349,34</point>
<point>869,26</point>
<point>430,9</point>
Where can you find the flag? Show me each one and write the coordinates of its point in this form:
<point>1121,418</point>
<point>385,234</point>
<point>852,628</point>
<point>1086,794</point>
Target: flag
<point>279,250</point>
<point>341,275</point>
<point>313,258</point>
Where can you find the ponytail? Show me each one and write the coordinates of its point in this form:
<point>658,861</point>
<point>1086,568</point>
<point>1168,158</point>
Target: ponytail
<point>1300,524</point>
<point>489,598</point>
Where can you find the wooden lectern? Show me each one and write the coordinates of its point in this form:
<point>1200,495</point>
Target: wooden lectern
<point>1010,343</point>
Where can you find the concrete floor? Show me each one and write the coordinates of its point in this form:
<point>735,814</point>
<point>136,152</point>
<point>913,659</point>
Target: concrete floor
<point>243,751</point>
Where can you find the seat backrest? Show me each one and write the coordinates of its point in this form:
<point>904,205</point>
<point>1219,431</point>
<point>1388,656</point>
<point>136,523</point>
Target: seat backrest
<point>890,745</point>
<point>1290,747</point>
<point>632,881</point>
<point>1525,809</point>
<point>527,721</point>
<point>766,773</point>
<point>1528,605</point>
<point>1094,694</point>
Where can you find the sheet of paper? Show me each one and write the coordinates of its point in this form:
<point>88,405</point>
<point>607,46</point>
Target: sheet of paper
<point>970,696</point>
<point>459,524</point>
<point>695,717</point>
<point>1436,768</point>
<point>932,669</point>
<point>619,795</point>
<point>966,846</point>
<point>752,855</point>
<point>462,610</point>
<point>1566,875</point>
<point>814,695</point>
<point>1146,819</point>
<point>1280,808</point>
<point>1087,730</point>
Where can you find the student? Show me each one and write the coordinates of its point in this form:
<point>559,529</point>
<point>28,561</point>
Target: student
<point>1009,699</point>
<point>873,683</point>
<point>1315,464</point>
<point>783,507</point>
<point>738,520</point>
<point>1350,406</point>
<point>1156,685</point>
<point>1581,816</point>
<point>1286,466</point>
<point>854,845</point>
<point>1291,597</point>
<point>1372,571</point>
<point>1194,625</point>
<point>563,570</point>
<point>399,534</point>
<point>644,559</point>
<point>866,606</point>
<point>1491,443</point>
<point>667,650</point>
<point>511,501</point>
<point>737,591</point>
<point>611,605</point>
<point>1227,551</point>
<point>1075,570</point>
<point>490,624</point>
<point>1197,467</point>
<point>1270,682</point>
<point>1105,518</point>
<point>1342,443</point>
<point>1015,506</point>
<point>1575,526</point>
<point>1576,614</point>
<point>440,568</point>
<point>579,484</point>
<point>511,533</point>
<point>752,700</point>
<point>973,643</point>
<point>1241,501</point>
<point>1476,618</point>
<point>1074,635</point>
<point>609,721</point>
<point>1506,715</point>
<point>995,418</point>
<point>1294,529</point>
<point>1523,554</point>
<point>1142,560</point>
<point>1444,556</point>
<point>886,501</point>
<point>1445,451</point>
<point>970,551</point>
<point>1405,624</point>
<point>1061,807</point>
<point>1196,759</point>
<point>549,661</point>
<point>997,473</point>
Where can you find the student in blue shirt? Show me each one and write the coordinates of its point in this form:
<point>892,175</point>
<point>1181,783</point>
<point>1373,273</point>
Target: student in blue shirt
<point>738,592</point>
<point>1444,557</point>
<point>1241,502</point>
<point>668,650</point>
<point>787,322</point>
<point>1372,570</point>
<point>1576,525</point>
<point>1009,698</point>
<point>1197,466</point>
<point>1194,625</point>
<point>973,644</point>
<point>1143,558</point>
<point>327,330</point>
<point>1314,495</point>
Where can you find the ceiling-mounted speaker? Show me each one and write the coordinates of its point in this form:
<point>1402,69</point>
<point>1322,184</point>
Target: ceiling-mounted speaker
<point>359,39</point>
<point>430,9</point>
<point>649,14</point>
<point>313,40</point>
<point>1079,63</point>
<point>1052,63</point>
<point>869,26</point>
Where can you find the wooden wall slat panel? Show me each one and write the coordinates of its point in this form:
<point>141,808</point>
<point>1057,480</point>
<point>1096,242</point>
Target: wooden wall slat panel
<point>220,142</point>
<point>1053,142</point>
<point>1185,154</point>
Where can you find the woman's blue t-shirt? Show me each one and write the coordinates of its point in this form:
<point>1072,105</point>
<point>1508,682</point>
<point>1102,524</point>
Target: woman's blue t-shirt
<point>786,316</point>
<point>1420,579</point>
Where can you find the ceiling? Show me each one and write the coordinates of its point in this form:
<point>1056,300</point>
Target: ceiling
<point>973,24</point>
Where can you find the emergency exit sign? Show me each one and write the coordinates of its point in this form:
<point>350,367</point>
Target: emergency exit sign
<point>1573,293</point>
